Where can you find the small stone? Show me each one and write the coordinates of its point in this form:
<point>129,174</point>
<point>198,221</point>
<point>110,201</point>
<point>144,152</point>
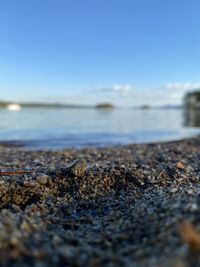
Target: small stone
<point>25,226</point>
<point>191,191</point>
<point>180,165</point>
<point>42,179</point>
<point>192,207</point>
<point>56,240</point>
<point>174,190</point>
<point>67,251</point>
<point>14,241</point>
<point>78,167</point>
<point>30,183</point>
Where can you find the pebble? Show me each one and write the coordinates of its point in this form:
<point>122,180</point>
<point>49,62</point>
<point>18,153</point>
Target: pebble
<point>78,167</point>
<point>180,165</point>
<point>192,207</point>
<point>174,190</point>
<point>42,179</point>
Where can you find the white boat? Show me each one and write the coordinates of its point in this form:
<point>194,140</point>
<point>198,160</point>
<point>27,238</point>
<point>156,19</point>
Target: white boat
<point>14,107</point>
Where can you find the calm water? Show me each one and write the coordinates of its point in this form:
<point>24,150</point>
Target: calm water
<point>60,128</point>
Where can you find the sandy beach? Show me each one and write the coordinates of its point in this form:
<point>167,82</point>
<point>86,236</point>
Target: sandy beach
<point>135,205</point>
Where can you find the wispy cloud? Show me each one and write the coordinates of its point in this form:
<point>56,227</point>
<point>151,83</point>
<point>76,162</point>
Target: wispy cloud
<point>169,93</point>
<point>128,95</point>
<point>183,86</point>
<point>117,88</point>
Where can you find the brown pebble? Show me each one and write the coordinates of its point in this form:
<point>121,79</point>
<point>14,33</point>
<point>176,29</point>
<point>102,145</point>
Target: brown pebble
<point>180,165</point>
<point>78,167</point>
<point>42,179</point>
<point>190,236</point>
<point>14,241</point>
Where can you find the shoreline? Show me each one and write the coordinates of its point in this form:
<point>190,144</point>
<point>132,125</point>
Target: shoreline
<point>33,145</point>
<point>133,205</point>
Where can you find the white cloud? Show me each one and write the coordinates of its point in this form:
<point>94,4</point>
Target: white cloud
<point>121,88</point>
<point>117,88</point>
<point>182,86</point>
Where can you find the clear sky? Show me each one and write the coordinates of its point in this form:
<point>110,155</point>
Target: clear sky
<point>127,51</point>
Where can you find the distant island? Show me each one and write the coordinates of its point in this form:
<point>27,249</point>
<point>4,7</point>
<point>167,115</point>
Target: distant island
<point>145,106</point>
<point>163,107</point>
<point>104,106</point>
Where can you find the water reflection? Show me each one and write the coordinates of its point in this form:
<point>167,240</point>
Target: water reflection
<point>192,117</point>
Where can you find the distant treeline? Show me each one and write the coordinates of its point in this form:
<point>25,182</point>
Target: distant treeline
<point>4,104</point>
<point>192,100</point>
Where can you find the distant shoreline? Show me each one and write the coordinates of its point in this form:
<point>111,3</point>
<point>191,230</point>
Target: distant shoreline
<point>106,106</point>
<point>43,105</point>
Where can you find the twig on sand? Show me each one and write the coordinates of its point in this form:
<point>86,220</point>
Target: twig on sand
<point>2,173</point>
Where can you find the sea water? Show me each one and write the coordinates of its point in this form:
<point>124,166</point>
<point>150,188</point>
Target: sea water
<point>51,128</point>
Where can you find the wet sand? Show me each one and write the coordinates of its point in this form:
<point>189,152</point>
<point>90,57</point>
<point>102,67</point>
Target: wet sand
<point>137,205</point>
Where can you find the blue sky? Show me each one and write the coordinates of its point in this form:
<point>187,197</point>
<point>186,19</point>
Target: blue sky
<point>126,51</point>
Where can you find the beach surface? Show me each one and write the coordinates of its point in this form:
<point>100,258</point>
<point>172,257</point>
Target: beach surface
<point>135,205</point>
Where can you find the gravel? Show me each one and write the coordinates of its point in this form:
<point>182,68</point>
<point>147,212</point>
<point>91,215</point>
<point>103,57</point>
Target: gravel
<point>137,205</point>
